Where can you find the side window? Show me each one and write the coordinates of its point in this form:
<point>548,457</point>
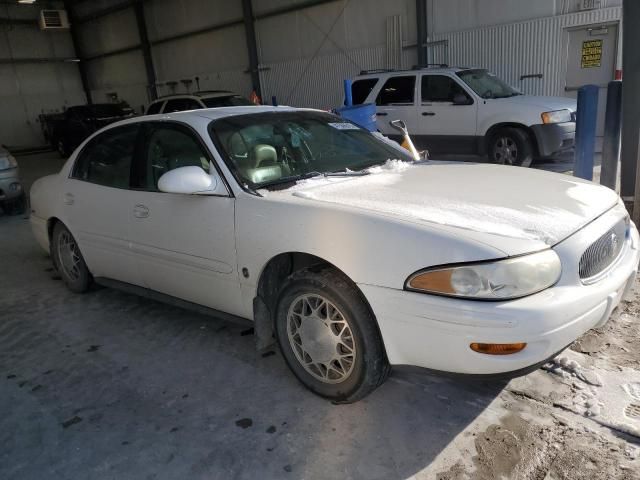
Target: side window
<point>397,91</point>
<point>154,108</point>
<point>106,160</point>
<point>440,88</point>
<point>181,104</point>
<point>360,89</point>
<point>170,147</point>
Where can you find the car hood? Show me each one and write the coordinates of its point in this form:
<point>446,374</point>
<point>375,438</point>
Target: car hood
<point>544,103</point>
<point>509,202</point>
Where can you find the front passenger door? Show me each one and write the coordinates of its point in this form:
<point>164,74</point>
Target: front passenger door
<point>184,244</point>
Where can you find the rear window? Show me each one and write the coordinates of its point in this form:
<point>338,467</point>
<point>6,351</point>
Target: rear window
<point>397,91</point>
<point>181,104</point>
<point>228,101</point>
<point>360,89</point>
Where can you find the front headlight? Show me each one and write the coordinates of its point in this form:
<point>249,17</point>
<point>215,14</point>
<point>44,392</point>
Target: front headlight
<point>497,280</point>
<point>8,162</point>
<point>556,116</point>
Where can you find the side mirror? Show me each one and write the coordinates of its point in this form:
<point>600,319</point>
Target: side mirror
<point>192,181</point>
<point>461,99</point>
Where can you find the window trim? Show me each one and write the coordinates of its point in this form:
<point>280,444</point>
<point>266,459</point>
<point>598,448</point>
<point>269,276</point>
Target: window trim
<point>453,79</point>
<point>157,102</point>
<point>147,128</point>
<point>136,146</point>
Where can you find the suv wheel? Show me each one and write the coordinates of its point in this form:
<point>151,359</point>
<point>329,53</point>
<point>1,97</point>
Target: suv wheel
<point>328,336</point>
<point>68,260</point>
<point>511,146</point>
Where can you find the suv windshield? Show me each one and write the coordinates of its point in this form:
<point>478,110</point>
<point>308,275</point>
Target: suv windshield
<point>273,148</point>
<point>486,84</point>
<point>226,101</point>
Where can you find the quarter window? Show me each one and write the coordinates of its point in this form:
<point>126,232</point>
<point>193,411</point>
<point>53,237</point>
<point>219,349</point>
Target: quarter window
<point>154,108</point>
<point>397,91</point>
<point>360,89</point>
<point>170,147</point>
<point>106,160</point>
<point>440,88</point>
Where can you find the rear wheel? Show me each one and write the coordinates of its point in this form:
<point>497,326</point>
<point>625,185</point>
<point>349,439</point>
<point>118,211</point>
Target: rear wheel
<point>511,146</point>
<point>68,260</point>
<point>62,148</point>
<point>328,336</point>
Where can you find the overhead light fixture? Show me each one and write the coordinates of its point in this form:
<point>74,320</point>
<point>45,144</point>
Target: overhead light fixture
<point>27,2</point>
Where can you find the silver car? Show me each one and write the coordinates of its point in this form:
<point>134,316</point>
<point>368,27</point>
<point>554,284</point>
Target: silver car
<point>12,195</point>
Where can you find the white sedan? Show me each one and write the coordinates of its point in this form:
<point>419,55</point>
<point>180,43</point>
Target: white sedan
<point>351,254</point>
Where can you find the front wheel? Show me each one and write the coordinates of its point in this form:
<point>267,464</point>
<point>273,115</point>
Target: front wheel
<point>329,337</point>
<point>511,146</point>
<point>68,260</point>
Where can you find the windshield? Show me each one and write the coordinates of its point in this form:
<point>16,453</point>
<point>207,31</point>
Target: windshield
<point>228,101</point>
<point>273,148</point>
<point>486,84</point>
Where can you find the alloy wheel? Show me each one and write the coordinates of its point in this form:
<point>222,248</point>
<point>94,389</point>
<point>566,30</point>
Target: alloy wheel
<point>69,256</point>
<point>505,151</point>
<point>321,338</point>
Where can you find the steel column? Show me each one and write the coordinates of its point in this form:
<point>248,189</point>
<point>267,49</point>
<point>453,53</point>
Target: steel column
<point>75,39</point>
<point>421,20</point>
<point>250,35</point>
<point>146,49</point>
<point>629,188</point>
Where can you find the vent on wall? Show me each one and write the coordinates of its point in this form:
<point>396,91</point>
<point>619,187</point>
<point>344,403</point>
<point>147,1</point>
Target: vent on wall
<point>53,20</point>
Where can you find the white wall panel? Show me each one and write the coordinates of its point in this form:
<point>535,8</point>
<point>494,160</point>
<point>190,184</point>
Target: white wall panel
<point>171,17</point>
<point>446,16</point>
<point>109,33</point>
<point>122,74</point>
<point>512,50</point>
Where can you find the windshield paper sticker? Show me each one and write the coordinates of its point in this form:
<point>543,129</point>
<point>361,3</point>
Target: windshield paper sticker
<point>344,126</point>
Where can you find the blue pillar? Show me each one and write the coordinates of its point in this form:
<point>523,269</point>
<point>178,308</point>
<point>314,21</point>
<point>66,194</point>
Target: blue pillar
<point>348,96</point>
<point>586,131</point>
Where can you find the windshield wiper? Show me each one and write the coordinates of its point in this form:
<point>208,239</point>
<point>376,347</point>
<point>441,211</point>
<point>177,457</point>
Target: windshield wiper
<point>305,176</point>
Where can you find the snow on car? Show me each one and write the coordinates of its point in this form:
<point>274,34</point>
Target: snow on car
<point>353,255</point>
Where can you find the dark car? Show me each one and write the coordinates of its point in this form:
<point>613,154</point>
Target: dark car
<point>68,130</point>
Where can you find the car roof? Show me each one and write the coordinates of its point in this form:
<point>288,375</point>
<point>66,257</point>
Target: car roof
<point>391,72</point>
<point>200,94</point>
<point>214,113</point>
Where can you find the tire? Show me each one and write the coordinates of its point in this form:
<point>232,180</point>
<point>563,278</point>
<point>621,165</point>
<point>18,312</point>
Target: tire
<point>511,146</point>
<point>68,260</point>
<point>16,206</point>
<point>309,299</point>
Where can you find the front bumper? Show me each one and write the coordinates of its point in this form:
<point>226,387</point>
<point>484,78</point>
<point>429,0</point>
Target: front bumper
<point>10,186</point>
<point>554,137</point>
<point>435,332</point>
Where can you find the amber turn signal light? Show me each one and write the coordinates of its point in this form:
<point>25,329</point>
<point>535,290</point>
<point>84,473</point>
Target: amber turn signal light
<point>498,348</point>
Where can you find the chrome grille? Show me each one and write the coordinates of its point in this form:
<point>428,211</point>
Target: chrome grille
<point>603,251</point>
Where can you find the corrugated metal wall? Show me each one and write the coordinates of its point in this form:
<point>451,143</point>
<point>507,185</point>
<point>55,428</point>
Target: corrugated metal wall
<point>524,48</point>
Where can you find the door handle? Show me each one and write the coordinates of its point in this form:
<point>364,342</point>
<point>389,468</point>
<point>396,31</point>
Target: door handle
<point>68,199</point>
<point>382,114</point>
<point>140,211</point>
<point>428,114</point>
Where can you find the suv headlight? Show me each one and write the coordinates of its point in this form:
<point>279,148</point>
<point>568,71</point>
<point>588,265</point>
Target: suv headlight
<point>495,280</point>
<point>556,116</point>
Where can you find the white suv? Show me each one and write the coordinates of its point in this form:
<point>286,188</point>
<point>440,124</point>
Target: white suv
<point>468,110</point>
<point>196,101</point>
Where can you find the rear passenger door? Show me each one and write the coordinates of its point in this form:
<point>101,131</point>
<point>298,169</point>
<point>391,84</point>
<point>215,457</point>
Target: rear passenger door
<point>396,100</point>
<point>184,244</point>
<point>97,202</point>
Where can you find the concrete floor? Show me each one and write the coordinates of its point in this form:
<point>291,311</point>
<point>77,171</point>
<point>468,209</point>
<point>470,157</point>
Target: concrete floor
<point>109,385</point>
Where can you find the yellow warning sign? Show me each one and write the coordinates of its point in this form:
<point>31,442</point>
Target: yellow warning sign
<point>591,53</point>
